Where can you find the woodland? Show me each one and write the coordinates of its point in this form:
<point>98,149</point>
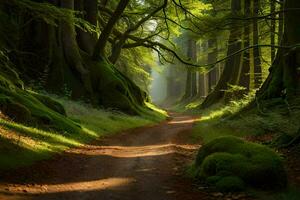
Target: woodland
<point>150,99</point>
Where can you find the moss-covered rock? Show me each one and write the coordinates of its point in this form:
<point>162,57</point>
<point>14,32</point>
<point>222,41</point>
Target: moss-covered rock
<point>253,164</point>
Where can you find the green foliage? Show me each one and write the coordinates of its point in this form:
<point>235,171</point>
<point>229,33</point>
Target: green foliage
<point>227,161</point>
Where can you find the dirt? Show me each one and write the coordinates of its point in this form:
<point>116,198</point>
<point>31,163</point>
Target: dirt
<point>145,163</point>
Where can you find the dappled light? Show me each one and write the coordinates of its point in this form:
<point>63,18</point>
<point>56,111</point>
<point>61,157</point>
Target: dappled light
<point>132,151</point>
<point>103,184</point>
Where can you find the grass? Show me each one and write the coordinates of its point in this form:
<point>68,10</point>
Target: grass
<point>21,145</point>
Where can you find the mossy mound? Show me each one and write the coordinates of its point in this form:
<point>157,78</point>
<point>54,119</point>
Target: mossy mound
<point>229,163</point>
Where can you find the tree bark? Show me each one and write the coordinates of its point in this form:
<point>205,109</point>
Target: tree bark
<point>245,74</point>
<point>256,51</point>
<point>86,40</point>
<point>273,29</point>
<point>191,84</point>
<point>211,58</point>
<point>71,50</point>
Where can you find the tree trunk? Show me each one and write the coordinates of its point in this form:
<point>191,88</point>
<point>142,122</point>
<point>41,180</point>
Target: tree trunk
<point>256,51</point>
<point>188,85</point>
<point>273,29</point>
<point>211,58</point>
<point>71,50</point>
<point>245,73</point>
<point>232,69</point>
<point>86,40</point>
<point>280,25</point>
<point>191,84</point>
<point>116,50</point>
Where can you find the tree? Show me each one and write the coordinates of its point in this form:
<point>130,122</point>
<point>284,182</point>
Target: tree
<point>284,79</point>
<point>256,50</point>
<point>231,70</point>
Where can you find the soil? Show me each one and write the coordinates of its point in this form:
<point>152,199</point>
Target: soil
<point>145,163</point>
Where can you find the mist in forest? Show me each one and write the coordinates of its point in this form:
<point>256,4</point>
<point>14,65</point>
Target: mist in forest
<point>158,87</point>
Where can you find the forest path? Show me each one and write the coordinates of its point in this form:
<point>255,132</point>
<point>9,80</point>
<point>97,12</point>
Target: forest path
<point>142,164</point>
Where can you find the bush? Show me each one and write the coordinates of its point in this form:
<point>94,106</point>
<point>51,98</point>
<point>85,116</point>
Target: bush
<point>255,165</point>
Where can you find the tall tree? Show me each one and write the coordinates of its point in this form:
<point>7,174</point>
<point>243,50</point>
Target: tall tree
<point>273,28</point>
<point>212,58</point>
<point>245,73</point>
<point>256,50</point>
<point>232,68</point>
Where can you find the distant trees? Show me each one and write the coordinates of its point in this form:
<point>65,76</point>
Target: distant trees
<point>245,68</point>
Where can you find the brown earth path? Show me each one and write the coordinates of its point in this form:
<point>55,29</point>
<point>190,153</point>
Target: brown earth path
<point>141,164</point>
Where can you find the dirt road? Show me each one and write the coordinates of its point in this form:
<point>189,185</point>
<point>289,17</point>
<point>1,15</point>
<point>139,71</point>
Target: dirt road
<point>141,164</point>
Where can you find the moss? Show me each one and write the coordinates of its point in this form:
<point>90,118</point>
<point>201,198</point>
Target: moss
<point>18,103</point>
<point>230,184</point>
<point>50,103</point>
<point>258,166</point>
<point>114,90</point>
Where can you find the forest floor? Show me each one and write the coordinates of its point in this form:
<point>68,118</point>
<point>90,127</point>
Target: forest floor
<point>144,163</point>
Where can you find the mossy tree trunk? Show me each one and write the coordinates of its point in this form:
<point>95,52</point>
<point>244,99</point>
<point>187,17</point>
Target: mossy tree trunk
<point>71,50</point>
<point>284,77</point>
